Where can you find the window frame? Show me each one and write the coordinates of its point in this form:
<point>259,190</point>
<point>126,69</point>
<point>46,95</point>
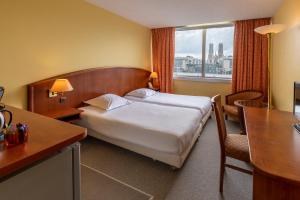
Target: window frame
<point>204,28</point>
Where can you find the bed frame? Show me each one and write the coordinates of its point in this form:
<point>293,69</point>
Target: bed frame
<point>87,84</point>
<point>91,83</point>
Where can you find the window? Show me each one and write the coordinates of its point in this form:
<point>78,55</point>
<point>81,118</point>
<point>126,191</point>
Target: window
<point>213,43</point>
<point>188,53</point>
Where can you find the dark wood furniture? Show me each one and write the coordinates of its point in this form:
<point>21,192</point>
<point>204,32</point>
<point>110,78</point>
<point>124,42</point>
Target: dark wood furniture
<point>231,110</point>
<point>241,104</point>
<point>274,152</point>
<point>296,103</point>
<point>232,145</point>
<point>46,137</point>
<point>66,114</point>
<point>87,84</point>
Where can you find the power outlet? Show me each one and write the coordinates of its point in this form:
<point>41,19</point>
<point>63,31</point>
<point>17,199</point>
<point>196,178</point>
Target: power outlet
<point>52,94</point>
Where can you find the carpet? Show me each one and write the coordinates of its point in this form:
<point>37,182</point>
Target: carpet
<point>96,185</point>
<point>198,179</point>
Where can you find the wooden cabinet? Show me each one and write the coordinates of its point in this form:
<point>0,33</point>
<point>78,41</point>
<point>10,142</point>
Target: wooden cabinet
<point>57,177</point>
<point>47,166</point>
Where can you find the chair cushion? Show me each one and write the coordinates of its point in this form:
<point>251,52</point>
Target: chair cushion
<point>236,146</point>
<point>231,110</point>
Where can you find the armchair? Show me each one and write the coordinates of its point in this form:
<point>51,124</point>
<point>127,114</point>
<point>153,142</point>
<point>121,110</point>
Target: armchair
<point>231,110</point>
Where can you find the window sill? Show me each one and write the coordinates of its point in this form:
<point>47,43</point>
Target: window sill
<point>201,79</point>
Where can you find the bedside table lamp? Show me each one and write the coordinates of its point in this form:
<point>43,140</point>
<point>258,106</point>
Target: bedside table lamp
<point>153,79</point>
<point>60,86</point>
<point>153,75</point>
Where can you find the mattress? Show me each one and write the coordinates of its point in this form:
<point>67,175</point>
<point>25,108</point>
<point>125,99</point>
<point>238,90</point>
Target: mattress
<point>166,129</point>
<point>201,103</point>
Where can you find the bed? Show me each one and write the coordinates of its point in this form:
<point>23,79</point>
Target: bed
<point>164,133</point>
<point>201,103</point>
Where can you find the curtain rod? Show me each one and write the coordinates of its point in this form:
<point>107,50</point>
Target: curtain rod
<point>204,26</point>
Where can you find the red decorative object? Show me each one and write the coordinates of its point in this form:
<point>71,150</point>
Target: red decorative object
<point>16,134</point>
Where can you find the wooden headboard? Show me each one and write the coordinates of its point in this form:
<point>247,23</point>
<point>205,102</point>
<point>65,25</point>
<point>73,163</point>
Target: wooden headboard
<point>87,84</point>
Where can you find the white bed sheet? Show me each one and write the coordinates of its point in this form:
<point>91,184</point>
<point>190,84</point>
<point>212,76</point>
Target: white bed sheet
<point>163,128</point>
<point>201,103</point>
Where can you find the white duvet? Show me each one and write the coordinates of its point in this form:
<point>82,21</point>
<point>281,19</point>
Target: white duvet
<point>163,128</point>
<point>201,103</point>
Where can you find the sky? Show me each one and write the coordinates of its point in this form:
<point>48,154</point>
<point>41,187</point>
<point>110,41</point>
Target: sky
<point>190,42</point>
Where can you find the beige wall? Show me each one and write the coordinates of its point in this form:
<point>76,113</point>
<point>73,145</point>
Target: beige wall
<point>201,88</point>
<point>40,39</point>
<point>286,54</point>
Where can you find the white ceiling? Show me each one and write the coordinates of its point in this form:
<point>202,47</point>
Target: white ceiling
<point>165,13</point>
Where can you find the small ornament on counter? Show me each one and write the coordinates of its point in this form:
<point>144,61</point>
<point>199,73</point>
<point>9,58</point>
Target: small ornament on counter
<point>11,136</point>
<point>23,132</point>
<point>16,134</point>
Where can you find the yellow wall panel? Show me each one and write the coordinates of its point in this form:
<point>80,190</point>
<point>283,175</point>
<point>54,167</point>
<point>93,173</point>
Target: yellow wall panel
<point>40,39</point>
<point>286,55</point>
<point>200,88</point>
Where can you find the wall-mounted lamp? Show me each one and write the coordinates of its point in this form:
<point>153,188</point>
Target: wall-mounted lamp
<point>59,87</point>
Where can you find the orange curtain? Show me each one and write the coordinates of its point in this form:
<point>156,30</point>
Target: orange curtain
<point>250,57</point>
<point>163,45</point>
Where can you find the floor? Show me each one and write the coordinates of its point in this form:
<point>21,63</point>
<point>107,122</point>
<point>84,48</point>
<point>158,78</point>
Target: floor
<point>112,173</point>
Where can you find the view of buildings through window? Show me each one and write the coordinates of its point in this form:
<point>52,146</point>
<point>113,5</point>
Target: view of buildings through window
<point>217,51</point>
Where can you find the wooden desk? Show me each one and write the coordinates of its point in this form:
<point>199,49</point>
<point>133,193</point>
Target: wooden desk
<point>241,104</point>
<point>274,152</point>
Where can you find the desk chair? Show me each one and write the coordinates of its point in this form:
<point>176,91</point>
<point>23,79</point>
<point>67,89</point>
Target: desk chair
<point>232,145</point>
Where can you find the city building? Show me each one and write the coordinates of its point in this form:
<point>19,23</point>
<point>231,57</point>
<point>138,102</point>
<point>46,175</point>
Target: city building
<point>216,65</point>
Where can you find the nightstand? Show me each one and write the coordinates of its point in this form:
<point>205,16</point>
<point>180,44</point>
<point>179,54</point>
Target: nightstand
<point>67,114</point>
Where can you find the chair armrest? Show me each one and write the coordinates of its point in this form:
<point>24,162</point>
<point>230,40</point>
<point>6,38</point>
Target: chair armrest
<point>243,95</point>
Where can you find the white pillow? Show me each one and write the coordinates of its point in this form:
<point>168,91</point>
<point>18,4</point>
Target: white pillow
<point>142,93</point>
<point>108,101</point>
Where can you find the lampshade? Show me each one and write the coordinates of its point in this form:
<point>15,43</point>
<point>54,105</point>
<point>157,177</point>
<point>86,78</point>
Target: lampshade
<point>272,28</point>
<point>61,85</point>
<point>153,75</point>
